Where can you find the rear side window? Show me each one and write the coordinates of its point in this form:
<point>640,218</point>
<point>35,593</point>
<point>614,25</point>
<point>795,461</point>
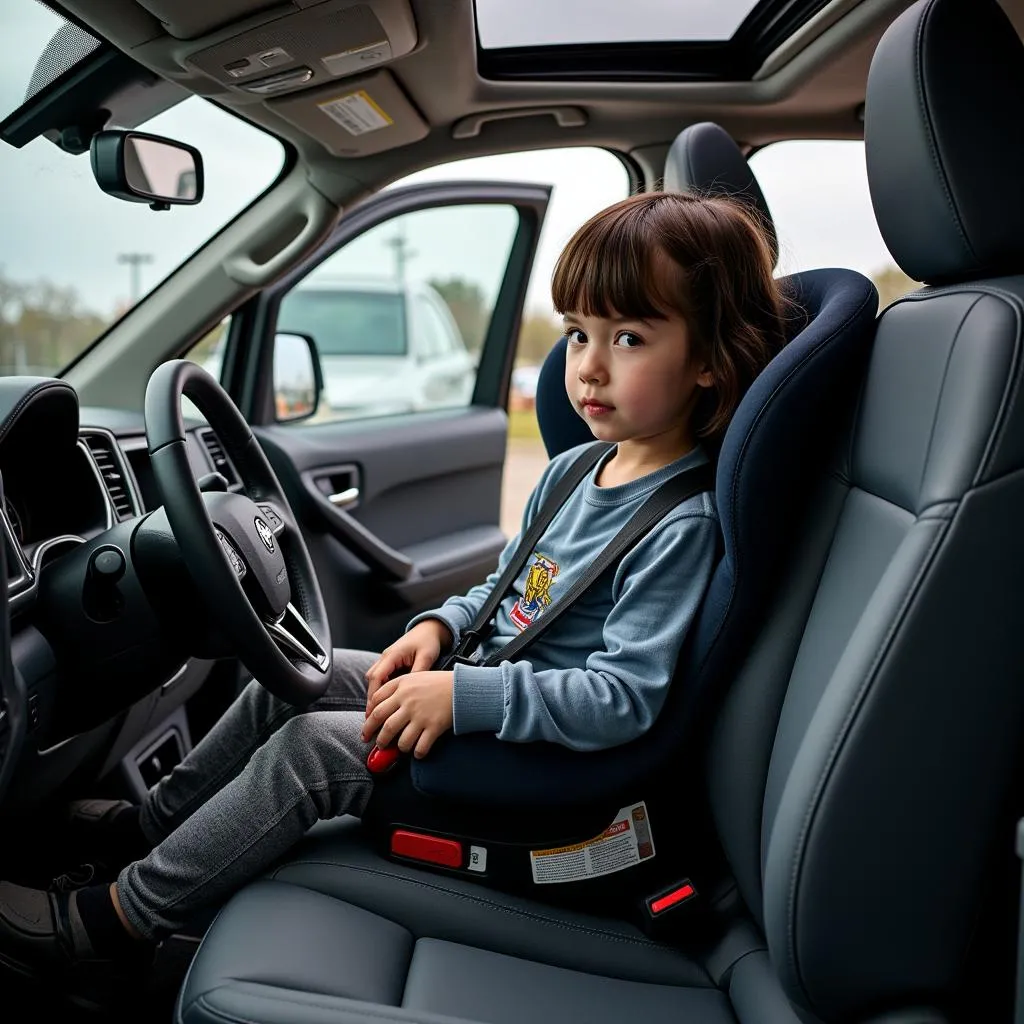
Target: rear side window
<point>817,190</point>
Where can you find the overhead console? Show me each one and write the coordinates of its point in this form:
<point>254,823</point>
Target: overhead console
<point>324,66</point>
<point>317,64</point>
<point>307,44</point>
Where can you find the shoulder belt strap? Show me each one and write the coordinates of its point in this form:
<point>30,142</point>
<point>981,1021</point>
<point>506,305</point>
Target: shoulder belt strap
<point>670,494</point>
<point>482,625</point>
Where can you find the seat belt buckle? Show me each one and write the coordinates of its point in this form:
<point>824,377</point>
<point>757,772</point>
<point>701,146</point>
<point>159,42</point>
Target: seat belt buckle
<point>456,659</point>
<point>462,653</point>
<point>669,910</point>
<point>382,760</point>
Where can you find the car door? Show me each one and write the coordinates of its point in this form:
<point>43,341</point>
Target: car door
<point>400,505</point>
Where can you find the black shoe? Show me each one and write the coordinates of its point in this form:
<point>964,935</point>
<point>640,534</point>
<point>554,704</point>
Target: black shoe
<point>39,941</point>
<point>80,877</point>
<point>35,931</point>
<point>105,834</point>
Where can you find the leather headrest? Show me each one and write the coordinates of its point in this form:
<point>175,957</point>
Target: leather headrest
<point>705,158</point>
<point>944,139</point>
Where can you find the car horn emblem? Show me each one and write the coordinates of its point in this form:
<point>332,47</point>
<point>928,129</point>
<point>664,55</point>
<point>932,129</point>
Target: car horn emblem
<point>266,534</point>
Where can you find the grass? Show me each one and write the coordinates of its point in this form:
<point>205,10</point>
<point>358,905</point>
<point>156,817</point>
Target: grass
<point>522,425</point>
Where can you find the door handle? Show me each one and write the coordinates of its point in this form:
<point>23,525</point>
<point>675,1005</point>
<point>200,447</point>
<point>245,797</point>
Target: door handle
<point>344,499</point>
<point>374,552</point>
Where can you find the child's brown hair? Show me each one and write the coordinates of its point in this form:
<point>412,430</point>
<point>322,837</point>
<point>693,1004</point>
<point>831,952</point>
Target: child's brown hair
<point>707,259</point>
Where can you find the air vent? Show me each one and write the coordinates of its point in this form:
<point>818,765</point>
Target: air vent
<point>109,465</point>
<point>221,463</point>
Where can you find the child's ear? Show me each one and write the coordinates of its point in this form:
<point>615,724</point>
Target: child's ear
<point>705,379</point>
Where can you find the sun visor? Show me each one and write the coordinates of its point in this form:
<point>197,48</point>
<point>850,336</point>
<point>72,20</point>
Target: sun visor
<point>356,117</point>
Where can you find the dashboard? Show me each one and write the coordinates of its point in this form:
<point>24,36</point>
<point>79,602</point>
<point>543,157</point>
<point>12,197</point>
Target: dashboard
<point>59,495</point>
<point>101,662</point>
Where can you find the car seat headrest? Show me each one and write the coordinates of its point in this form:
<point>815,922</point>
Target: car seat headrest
<point>944,137</point>
<point>704,158</point>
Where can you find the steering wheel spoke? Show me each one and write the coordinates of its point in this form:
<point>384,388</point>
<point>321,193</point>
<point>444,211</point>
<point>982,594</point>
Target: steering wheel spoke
<point>276,518</point>
<point>231,552</point>
<point>292,634</point>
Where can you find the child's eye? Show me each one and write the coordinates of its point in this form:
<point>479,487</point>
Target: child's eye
<point>627,339</point>
<point>575,336</point>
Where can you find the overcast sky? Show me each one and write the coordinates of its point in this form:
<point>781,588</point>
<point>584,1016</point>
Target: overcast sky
<point>59,226</point>
<point>539,22</point>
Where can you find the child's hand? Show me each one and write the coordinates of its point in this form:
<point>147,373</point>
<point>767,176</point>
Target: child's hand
<point>416,650</point>
<point>415,709</point>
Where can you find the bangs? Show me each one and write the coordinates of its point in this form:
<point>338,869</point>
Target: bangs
<point>616,265</point>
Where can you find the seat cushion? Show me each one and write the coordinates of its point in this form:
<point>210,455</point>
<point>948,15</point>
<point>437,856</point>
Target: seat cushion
<point>364,934</point>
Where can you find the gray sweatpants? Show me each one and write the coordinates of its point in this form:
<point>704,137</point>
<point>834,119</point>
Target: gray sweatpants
<point>246,793</point>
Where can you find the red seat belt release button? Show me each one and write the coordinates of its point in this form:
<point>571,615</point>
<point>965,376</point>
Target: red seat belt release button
<point>430,849</point>
<point>382,759</point>
<point>681,893</point>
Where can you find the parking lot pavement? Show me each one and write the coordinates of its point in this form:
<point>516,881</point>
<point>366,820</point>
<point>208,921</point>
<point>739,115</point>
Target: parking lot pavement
<point>524,462</point>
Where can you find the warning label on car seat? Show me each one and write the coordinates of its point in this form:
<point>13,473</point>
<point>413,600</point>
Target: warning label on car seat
<point>625,842</point>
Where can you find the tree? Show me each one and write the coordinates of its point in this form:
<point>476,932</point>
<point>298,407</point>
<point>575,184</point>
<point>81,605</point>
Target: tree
<point>468,307</point>
<point>891,283</point>
<point>537,336</point>
<point>43,326</point>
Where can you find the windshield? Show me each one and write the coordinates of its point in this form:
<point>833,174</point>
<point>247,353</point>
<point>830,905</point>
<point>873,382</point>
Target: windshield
<point>72,259</point>
<point>346,322</point>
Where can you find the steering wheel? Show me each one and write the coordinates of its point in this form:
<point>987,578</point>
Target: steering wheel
<point>13,694</point>
<point>244,551</point>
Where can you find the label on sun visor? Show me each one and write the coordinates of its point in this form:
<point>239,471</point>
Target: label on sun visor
<point>356,113</point>
<point>625,842</point>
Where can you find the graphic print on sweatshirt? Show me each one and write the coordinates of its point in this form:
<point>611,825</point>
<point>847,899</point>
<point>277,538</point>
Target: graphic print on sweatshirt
<point>537,593</point>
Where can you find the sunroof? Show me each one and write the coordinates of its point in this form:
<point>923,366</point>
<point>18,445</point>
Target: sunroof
<point>502,25</point>
<point>633,40</point>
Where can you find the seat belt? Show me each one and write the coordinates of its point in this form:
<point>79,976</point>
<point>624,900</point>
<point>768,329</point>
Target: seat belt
<point>483,625</point>
<point>673,492</point>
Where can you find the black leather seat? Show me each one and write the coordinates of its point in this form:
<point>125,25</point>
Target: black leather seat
<point>860,770</point>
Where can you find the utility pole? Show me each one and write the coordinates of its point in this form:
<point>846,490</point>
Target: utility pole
<point>134,261</point>
<point>402,252</point>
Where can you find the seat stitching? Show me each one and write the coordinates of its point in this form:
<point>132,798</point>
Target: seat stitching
<point>221,1014</point>
<point>838,742</point>
<point>938,402</point>
<point>491,904</point>
<point>361,1007</point>
<point>1013,389</point>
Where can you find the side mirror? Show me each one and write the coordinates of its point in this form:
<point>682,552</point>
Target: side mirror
<point>147,169</point>
<point>298,377</point>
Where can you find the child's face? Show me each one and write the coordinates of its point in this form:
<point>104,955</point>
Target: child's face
<point>633,380</point>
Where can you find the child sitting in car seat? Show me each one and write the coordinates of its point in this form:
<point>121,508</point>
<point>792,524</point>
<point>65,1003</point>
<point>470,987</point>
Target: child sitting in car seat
<point>670,311</point>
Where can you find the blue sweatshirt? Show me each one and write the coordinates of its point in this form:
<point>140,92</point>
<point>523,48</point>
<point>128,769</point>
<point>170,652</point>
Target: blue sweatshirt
<point>599,676</point>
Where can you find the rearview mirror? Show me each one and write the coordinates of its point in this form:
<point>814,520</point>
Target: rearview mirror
<point>298,378</point>
<point>147,169</point>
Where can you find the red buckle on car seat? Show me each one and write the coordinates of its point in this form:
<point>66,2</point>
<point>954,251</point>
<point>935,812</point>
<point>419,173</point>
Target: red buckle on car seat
<point>662,916</point>
<point>382,759</point>
<point>667,900</point>
<point>430,849</point>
